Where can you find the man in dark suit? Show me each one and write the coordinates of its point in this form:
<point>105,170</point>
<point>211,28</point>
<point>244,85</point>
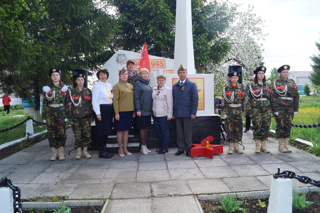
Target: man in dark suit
<point>185,105</point>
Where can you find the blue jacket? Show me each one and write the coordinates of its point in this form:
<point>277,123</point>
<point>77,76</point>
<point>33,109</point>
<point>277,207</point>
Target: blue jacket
<point>143,97</point>
<point>185,99</point>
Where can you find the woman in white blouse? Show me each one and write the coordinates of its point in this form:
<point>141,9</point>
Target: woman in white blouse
<point>162,112</point>
<point>102,105</point>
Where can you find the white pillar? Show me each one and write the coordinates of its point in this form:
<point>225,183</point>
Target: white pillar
<point>29,128</point>
<point>183,45</point>
<point>6,199</point>
<point>280,200</point>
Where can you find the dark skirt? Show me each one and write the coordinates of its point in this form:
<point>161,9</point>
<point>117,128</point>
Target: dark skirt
<point>125,122</point>
<point>143,122</point>
<point>104,126</point>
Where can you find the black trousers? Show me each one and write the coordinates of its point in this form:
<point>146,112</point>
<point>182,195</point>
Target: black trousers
<point>248,122</point>
<point>7,108</point>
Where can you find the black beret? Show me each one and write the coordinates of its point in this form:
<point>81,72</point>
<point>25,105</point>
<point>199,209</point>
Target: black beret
<point>79,73</point>
<point>52,70</point>
<point>233,73</point>
<point>261,68</point>
<point>284,67</point>
<point>128,62</point>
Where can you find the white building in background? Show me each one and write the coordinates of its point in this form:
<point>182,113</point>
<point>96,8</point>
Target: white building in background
<point>301,78</point>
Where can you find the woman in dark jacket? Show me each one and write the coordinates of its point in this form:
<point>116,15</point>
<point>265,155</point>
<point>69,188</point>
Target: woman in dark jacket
<point>143,105</point>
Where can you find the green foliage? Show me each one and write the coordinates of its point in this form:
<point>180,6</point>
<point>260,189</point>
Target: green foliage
<point>315,76</point>
<point>229,204</point>
<point>262,204</point>
<point>64,209</point>
<point>306,90</point>
<point>273,76</point>
<point>299,202</point>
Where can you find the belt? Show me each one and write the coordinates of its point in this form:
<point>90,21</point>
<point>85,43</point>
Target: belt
<point>56,105</point>
<point>262,99</point>
<point>234,105</point>
<point>105,104</point>
<point>286,98</point>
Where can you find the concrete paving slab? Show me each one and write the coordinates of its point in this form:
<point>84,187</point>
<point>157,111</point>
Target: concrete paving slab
<point>129,206</point>
<point>244,184</point>
<point>273,168</point>
<point>131,190</point>
<point>90,174</point>
<point>94,163</point>
<point>170,156</point>
<point>181,204</point>
<point>219,172</point>
<point>51,190</point>
<point>123,164</point>
<point>208,186</point>
<point>264,158</point>
<point>18,158</point>
<point>153,176</point>
<point>22,177</point>
<point>27,189</point>
<point>6,167</point>
<point>237,159</point>
<point>90,191</point>
<point>66,166</point>
<point>216,161</point>
<point>249,170</point>
<point>119,176</point>
<point>181,164</point>
<point>170,188</point>
<point>306,166</point>
<point>51,178</point>
<point>186,174</point>
<point>149,158</point>
<point>152,165</point>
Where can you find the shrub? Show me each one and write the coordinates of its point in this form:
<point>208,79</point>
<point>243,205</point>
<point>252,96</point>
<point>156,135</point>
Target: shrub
<point>299,202</point>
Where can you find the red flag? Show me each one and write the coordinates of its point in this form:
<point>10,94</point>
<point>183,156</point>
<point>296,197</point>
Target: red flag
<point>144,60</point>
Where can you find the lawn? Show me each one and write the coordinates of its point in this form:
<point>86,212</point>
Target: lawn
<point>14,118</point>
<point>309,113</point>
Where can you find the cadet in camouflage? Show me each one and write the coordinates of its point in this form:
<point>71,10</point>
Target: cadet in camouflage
<point>54,113</point>
<point>285,104</point>
<point>259,108</point>
<point>233,110</point>
<point>81,114</point>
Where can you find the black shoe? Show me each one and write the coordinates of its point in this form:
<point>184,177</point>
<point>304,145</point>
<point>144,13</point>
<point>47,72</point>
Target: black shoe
<point>179,153</point>
<point>188,153</point>
<point>158,150</point>
<point>161,151</point>
<point>105,154</point>
<point>245,130</point>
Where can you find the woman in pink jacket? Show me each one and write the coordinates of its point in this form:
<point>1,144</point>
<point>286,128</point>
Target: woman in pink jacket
<point>162,112</point>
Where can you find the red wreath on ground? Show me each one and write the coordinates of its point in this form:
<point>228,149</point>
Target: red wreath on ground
<point>205,148</point>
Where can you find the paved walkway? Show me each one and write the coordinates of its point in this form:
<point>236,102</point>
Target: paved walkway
<point>151,183</point>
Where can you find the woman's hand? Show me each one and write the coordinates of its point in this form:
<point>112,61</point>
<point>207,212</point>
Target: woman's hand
<point>139,114</point>
<point>99,117</point>
<point>168,119</point>
<point>117,117</point>
<point>134,115</point>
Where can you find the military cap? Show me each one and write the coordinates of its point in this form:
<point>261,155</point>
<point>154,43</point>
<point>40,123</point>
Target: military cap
<point>234,70</point>
<point>284,67</point>
<point>261,68</point>
<point>52,70</point>
<point>233,73</point>
<point>128,62</point>
<point>79,73</point>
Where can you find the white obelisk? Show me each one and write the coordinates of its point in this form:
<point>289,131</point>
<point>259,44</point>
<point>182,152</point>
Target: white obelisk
<point>183,45</point>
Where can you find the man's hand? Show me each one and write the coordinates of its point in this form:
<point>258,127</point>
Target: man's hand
<point>99,117</point>
<point>193,116</point>
<point>173,117</point>
<point>139,114</point>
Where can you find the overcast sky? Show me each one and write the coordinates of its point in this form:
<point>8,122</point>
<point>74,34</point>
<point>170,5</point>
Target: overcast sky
<point>293,27</point>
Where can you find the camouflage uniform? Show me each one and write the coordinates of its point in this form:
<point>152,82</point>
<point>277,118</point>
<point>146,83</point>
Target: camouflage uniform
<point>234,114</point>
<point>54,112</point>
<point>81,116</point>
<point>285,103</point>
<point>259,107</point>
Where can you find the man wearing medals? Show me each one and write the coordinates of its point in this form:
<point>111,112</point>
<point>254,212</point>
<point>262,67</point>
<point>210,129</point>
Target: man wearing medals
<point>259,107</point>
<point>234,98</point>
<point>80,114</point>
<point>54,113</point>
<point>285,104</point>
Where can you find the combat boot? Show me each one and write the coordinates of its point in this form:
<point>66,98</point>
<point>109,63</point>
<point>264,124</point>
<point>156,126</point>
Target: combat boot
<point>78,155</point>
<point>230,149</point>
<point>236,148</point>
<point>258,146</point>
<point>85,152</point>
<point>61,154</point>
<point>281,146</point>
<point>286,145</point>
<point>264,147</point>
<point>54,154</point>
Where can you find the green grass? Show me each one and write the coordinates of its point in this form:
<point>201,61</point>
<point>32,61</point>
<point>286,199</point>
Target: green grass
<point>10,120</point>
<point>309,113</point>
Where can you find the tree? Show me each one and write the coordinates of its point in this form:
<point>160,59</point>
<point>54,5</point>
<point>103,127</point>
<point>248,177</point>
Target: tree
<point>315,76</point>
<point>75,34</point>
<point>273,76</point>
<point>246,37</point>
<point>153,21</point>
<point>306,90</point>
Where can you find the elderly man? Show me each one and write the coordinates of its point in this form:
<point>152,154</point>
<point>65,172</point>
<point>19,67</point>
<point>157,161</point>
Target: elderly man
<point>132,75</point>
<point>185,105</point>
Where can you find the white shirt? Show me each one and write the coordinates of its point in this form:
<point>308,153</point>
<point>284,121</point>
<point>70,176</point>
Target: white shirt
<point>162,102</point>
<point>101,95</point>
